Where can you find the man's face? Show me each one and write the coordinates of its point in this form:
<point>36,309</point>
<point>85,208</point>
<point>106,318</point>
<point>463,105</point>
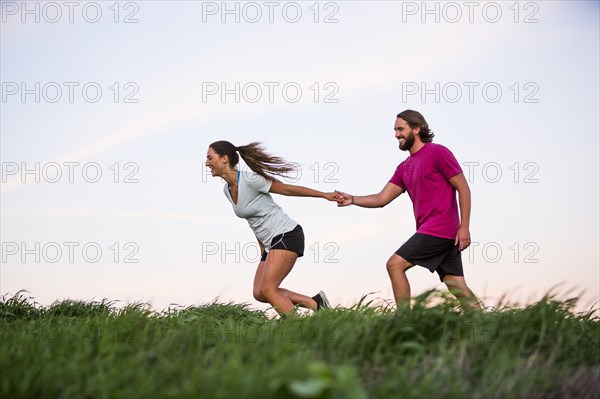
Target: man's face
<point>404,134</point>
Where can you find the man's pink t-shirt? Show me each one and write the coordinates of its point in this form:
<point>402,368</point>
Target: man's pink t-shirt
<point>425,176</point>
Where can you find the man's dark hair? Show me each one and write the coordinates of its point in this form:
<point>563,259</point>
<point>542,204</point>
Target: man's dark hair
<point>414,119</point>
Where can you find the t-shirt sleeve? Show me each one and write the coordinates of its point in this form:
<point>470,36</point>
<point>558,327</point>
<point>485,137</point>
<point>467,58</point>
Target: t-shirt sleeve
<point>259,183</point>
<point>446,163</point>
<point>397,177</point>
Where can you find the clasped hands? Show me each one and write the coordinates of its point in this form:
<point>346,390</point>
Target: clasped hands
<point>341,198</point>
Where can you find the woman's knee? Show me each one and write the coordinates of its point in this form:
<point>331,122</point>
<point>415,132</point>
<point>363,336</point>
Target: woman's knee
<point>264,293</point>
<point>258,295</point>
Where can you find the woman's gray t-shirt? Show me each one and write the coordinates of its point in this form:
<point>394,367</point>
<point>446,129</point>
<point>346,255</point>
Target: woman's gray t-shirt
<point>255,204</point>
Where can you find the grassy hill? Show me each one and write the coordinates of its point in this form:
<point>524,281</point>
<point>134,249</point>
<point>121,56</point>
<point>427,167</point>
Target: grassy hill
<point>94,350</point>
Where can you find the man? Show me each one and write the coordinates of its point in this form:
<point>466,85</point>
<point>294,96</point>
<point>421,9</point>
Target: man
<point>431,176</point>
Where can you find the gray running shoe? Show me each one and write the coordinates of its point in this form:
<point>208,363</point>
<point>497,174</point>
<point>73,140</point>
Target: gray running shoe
<point>322,301</point>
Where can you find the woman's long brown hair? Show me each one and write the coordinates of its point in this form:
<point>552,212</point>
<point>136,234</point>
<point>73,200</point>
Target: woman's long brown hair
<point>255,156</point>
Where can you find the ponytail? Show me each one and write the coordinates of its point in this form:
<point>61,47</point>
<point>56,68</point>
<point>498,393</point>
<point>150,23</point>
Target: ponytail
<point>255,156</point>
<point>262,163</point>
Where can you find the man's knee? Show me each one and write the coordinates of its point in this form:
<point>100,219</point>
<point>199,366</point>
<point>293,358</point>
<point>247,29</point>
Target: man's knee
<point>396,264</point>
<point>453,281</point>
<point>457,285</point>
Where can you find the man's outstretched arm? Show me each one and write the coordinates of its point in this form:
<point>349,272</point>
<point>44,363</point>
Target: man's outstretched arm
<point>389,193</point>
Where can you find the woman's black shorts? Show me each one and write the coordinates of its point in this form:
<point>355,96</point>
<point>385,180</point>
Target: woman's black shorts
<point>293,241</point>
<point>436,254</point>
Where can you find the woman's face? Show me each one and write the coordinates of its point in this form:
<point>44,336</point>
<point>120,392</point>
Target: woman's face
<point>215,162</point>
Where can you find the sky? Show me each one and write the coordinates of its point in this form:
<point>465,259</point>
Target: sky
<point>108,108</point>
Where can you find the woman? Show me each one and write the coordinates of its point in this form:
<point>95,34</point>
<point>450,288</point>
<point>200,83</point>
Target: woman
<point>281,239</point>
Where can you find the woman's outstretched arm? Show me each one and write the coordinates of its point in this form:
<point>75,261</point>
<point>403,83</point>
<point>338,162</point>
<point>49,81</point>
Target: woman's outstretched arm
<point>299,191</point>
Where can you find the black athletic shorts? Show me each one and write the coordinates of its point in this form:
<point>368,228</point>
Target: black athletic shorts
<point>434,253</point>
<point>293,241</point>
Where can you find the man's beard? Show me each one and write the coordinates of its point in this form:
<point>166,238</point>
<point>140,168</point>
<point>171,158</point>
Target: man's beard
<point>408,142</point>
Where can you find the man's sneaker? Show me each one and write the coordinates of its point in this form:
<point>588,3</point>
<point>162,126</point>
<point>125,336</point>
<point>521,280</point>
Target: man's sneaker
<point>322,301</point>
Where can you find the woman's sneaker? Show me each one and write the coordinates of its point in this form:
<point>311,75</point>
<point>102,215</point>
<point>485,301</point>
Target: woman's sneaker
<point>322,301</point>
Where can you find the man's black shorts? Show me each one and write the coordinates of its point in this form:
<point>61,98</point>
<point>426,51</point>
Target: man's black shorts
<point>293,241</point>
<point>434,253</point>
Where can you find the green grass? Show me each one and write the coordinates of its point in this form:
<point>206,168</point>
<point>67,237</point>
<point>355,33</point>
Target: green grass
<point>76,349</point>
